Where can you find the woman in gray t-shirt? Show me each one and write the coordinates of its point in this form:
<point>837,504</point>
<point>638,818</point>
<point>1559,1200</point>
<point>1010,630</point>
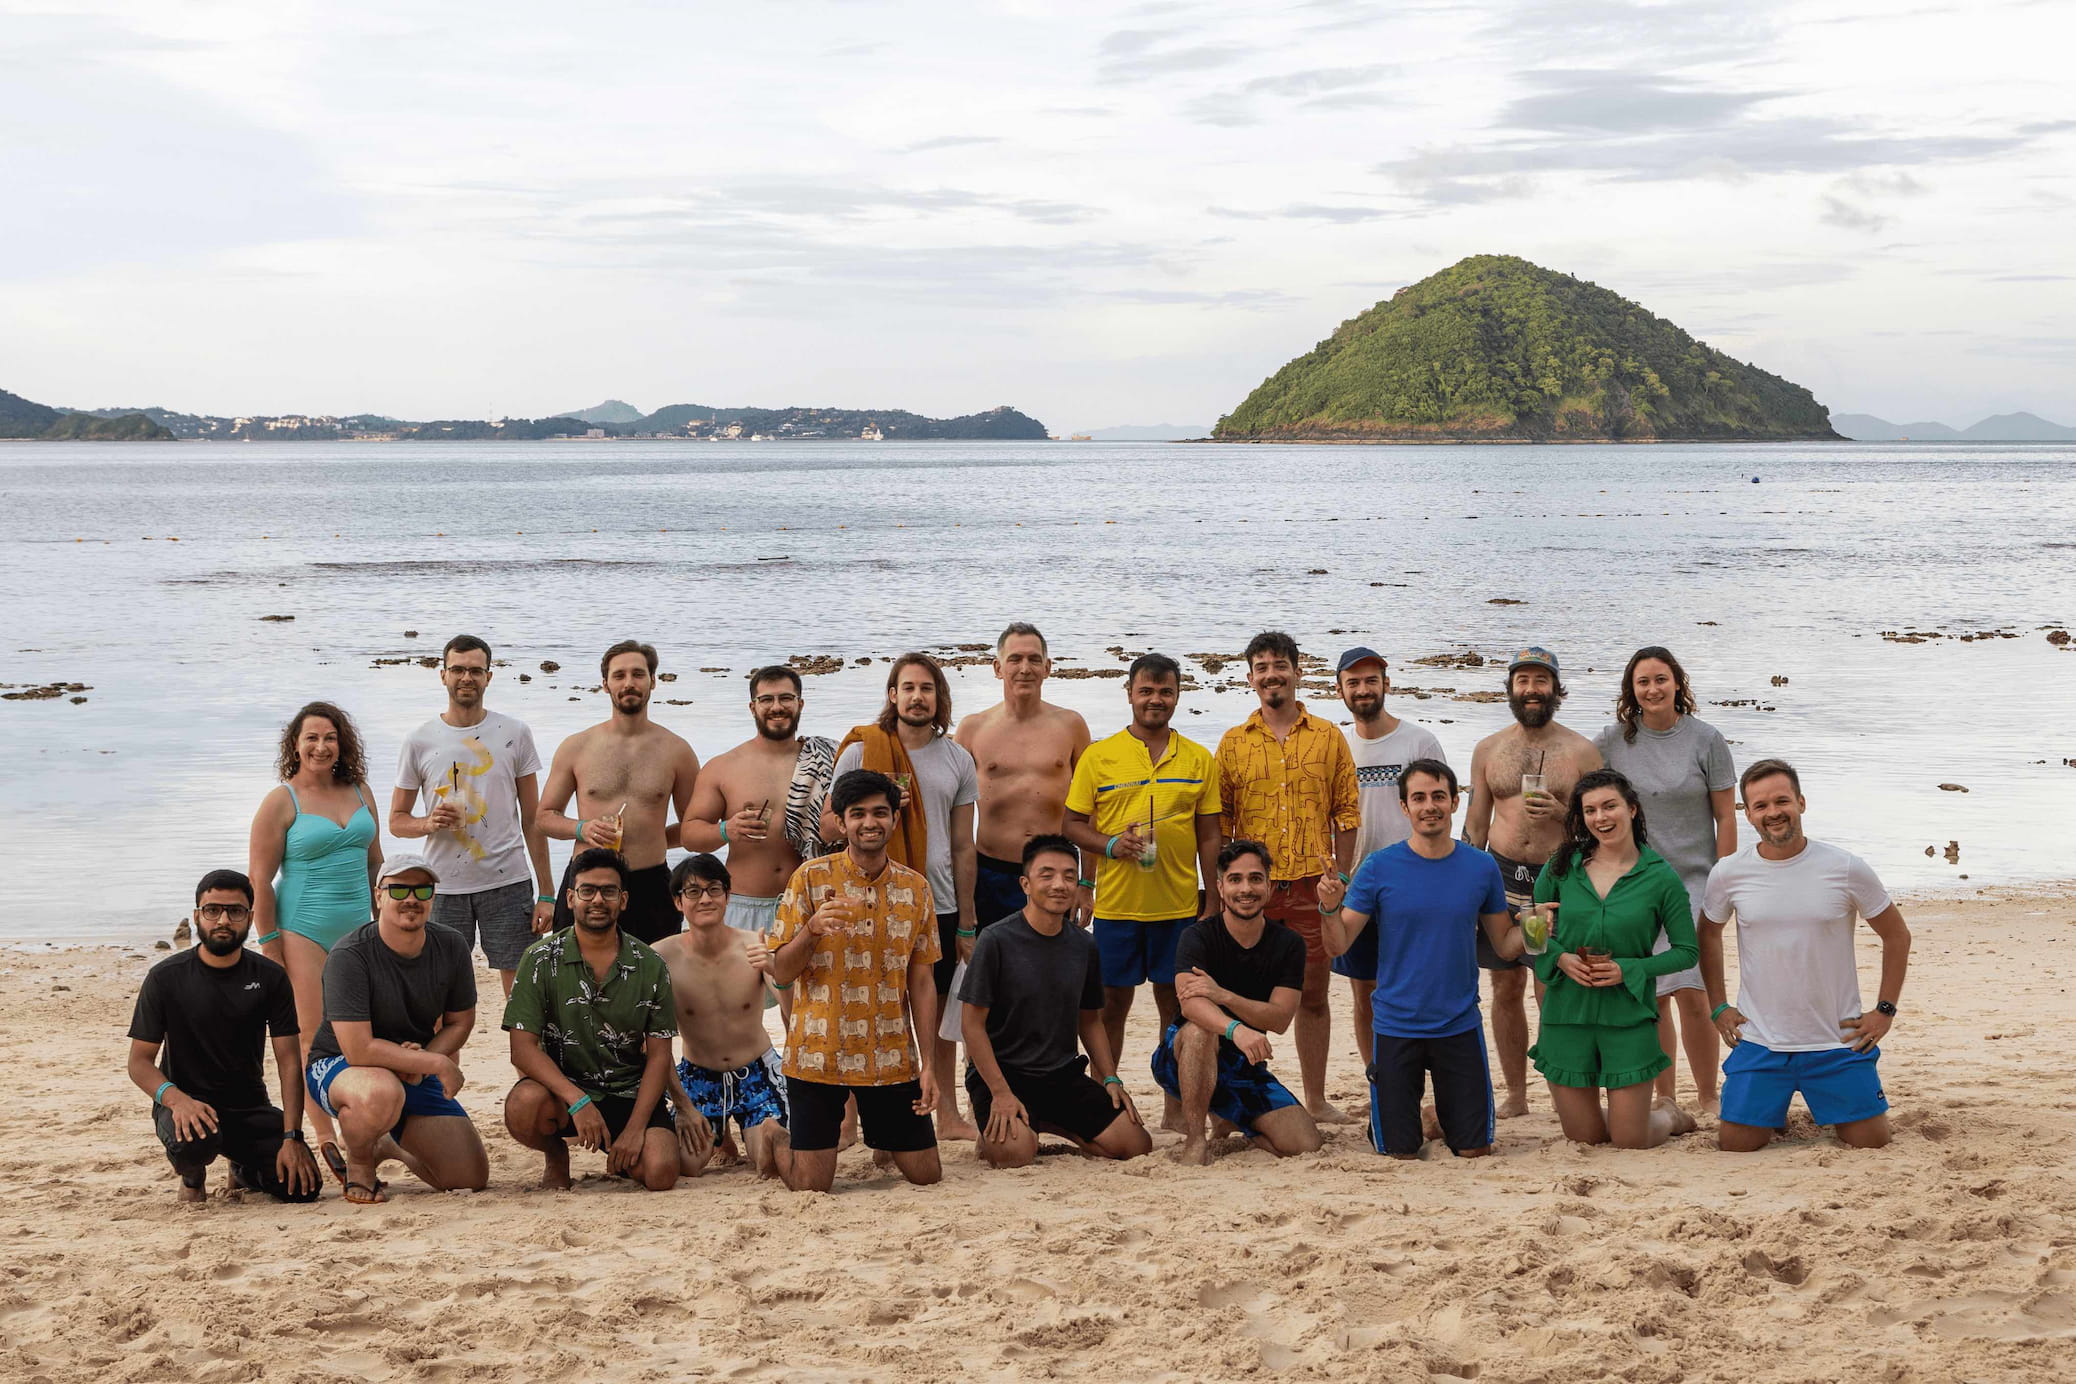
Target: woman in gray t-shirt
<point>1681,767</point>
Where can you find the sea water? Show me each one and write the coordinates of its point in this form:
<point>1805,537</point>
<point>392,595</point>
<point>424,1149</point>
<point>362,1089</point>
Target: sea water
<point>145,571</point>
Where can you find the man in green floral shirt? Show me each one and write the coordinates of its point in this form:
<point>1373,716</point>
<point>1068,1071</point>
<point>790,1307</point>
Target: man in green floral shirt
<point>591,1019</point>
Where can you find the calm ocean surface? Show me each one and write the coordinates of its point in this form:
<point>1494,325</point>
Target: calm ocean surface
<point>730,555</point>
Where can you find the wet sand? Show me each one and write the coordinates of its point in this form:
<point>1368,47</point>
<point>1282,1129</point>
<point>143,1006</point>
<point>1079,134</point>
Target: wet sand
<point>1949,1255</point>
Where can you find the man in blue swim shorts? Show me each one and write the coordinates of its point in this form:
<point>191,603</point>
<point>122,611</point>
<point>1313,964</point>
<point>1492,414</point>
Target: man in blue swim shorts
<point>1798,1026</point>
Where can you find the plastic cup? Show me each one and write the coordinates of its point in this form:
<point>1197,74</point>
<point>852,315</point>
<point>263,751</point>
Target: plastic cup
<point>1536,929</point>
<point>1149,855</point>
<point>1533,784</point>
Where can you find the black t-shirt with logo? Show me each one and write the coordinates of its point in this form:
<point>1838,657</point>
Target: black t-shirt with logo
<point>214,1023</point>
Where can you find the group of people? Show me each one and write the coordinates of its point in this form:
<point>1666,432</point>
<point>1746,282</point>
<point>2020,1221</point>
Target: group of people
<point>1009,885</point>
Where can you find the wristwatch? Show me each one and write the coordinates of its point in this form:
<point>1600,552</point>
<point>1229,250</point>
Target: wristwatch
<point>295,1134</point>
<point>1884,1007</point>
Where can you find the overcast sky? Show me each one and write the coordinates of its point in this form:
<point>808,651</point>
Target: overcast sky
<point>1101,214</point>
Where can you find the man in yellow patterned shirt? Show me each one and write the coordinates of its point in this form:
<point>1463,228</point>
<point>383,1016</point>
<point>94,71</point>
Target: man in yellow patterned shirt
<point>1287,779</point>
<point>858,932</point>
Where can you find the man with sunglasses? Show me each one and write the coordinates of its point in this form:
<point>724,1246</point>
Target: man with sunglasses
<point>730,1071</point>
<point>591,1019</point>
<point>196,1042</point>
<point>479,774</point>
<point>762,801</point>
<point>399,1001</point>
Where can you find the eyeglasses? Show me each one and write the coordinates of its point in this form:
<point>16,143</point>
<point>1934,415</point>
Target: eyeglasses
<point>222,912</point>
<point>768,701</point>
<point>466,672</point>
<point>608,892</point>
<point>704,891</point>
<point>421,892</point>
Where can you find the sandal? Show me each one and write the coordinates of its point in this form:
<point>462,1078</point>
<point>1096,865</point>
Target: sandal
<point>359,1194</point>
<point>329,1153</point>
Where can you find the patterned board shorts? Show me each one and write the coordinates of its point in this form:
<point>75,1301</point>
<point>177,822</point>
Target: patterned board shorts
<point>749,1095</point>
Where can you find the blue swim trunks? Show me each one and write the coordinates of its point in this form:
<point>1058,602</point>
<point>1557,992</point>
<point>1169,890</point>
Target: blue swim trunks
<point>1838,1085</point>
<point>1246,1090</point>
<point>1133,952</point>
<point>424,1097</point>
<point>749,1095</point>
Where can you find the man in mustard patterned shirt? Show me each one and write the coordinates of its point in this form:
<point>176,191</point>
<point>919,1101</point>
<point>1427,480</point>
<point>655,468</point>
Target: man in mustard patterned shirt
<point>856,937</point>
<point>1288,781</point>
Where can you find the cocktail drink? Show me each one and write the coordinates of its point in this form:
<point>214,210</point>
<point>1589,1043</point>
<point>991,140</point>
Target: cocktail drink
<point>1532,786</point>
<point>1149,853</point>
<point>1535,926</point>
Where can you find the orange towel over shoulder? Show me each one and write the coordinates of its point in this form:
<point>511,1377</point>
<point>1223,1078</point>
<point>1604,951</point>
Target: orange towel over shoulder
<point>909,843</point>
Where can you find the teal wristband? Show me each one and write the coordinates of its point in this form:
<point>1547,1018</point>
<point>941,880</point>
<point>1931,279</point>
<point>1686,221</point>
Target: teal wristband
<point>544,898</point>
<point>1110,847</point>
<point>964,933</point>
<point>787,986</point>
<point>1717,1012</point>
<point>1230,1029</point>
<point>580,1103</point>
<point>1113,1081</point>
<point>724,830</point>
<point>273,936</point>
<point>1087,883</point>
<point>160,1092</point>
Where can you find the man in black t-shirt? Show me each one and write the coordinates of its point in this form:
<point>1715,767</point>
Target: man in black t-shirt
<point>208,1011</point>
<point>1238,977</point>
<point>1032,990</point>
<point>399,1001</point>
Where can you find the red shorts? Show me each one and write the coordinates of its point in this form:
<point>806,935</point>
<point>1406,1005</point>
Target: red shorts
<point>1295,904</point>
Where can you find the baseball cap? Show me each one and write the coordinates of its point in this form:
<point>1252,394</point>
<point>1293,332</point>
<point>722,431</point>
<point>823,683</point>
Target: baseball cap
<point>1359,654</point>
<point>408,860</point>
<point>1534,656</point>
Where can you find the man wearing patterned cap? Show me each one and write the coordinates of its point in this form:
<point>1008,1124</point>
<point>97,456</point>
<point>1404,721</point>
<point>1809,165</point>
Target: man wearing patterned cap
<point>1520,786</point>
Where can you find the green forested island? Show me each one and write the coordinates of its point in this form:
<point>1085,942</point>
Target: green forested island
<point>1495,349</point>
<point>21,417</point>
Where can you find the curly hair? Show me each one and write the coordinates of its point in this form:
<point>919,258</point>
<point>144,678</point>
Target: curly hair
<point>351,767</point>
<point>1629,711</point>
<point>1579,842</point>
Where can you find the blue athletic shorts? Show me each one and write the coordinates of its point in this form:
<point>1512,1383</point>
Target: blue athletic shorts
<point>1246,1090</point>
<point>1134,952</point>
<point>1359,962</point>
<point>424,1097</point>
<point>1838,1085</point>
<point>998,889</point>
<point>749,1095</point>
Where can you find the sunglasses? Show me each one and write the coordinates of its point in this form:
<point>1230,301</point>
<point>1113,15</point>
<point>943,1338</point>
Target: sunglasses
<point>421,892</point>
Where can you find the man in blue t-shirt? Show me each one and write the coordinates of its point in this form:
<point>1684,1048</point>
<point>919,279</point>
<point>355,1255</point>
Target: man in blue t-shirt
<point>1429,894</point>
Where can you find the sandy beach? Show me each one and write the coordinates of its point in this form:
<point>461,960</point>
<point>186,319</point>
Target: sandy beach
<point>1949,1255</point>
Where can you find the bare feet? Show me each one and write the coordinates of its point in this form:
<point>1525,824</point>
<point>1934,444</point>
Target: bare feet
<point>192,1194</point>
<point>1710,1106</point>
<point>1430,1123</point>
<point>727,1155</point>
<point>1514,1106</point>
<point>1192,1152</point>
<point>1682,1122</point>
<point>1327,1113</point>
<point>882,1160</point>
<point>555,1167</point>
<point>1221,1128</point>
<point>1171,1116</point>
<point>955,1129</point>
<point>847,1132</point>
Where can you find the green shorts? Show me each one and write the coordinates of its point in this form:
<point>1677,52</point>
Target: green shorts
<point>1597,1055</point>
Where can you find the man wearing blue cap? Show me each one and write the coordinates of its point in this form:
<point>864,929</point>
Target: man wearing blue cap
<point>1520,783</point>
<point>1383,745</point>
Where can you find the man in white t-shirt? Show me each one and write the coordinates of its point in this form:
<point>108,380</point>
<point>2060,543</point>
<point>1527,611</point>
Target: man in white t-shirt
<point>1383,745</point>
<point>479,774</point>
<point>1797,1025</point>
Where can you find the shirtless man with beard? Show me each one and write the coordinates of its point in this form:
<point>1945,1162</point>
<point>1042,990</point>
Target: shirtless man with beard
<point>625,761</point>
<point>1025,751</point>
<point>1521,831</point>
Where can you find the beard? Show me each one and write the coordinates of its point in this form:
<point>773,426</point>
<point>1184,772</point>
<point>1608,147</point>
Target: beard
<point>917,718</point>
<point>777,726</point>
<point>630,703</point>
<point>230,948</point>
<point>1535,716</point>
<point>1365,705</point>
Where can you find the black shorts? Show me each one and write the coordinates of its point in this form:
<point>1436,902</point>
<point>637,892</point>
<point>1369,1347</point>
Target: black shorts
<point>618,1110</point>
<point>1068,1101</point>
<point>947,954</point>
<point>650,913</point>
<point>1462,1091</point>
<point>1520,881</point>
<point>249,1140</point>
<point>886,1116</point>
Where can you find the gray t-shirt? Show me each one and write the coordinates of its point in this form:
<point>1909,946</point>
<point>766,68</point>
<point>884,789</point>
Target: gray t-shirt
<point>1034,988</point>
<point>1674,771</point>
<point>1377,766</point>
<point>400,998</point>
<point>947,778</point>
<point>482,764</point>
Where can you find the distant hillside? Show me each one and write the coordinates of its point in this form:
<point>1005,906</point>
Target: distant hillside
<point>1494,348</point>
<point>21,417</point>
<point>2003,427</point>
<point>611,411</point>
<point>704,420</point>
<point>1151,432</point>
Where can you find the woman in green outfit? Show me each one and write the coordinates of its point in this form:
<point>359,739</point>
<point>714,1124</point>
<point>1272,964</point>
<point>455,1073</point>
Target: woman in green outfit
<point>1607,896</point>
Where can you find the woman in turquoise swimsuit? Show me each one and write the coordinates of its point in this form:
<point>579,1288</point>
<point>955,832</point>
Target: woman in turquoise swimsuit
<point>316,831</point>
